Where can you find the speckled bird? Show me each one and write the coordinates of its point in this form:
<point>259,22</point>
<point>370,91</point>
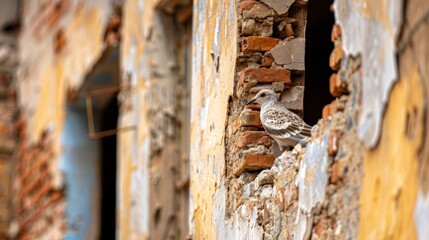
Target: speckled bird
<point>283,125</point>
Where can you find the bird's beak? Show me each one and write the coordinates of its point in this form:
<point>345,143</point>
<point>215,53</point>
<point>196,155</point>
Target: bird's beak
<point>251,101</point>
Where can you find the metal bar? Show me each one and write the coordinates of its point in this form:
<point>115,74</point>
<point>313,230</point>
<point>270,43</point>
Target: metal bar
<point>111,132</point>
<point>103,91</point>
<point>90,115</point>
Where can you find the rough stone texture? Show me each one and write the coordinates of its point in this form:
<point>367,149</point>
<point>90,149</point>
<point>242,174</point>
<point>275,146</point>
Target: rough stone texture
<point>253,27</point>
<point>249,118</point>
<point>293,98</point>
<point>8,108</point>
<point>59,43</point>
<point>272,193</point>
<point>255,10</point>
<point>280,6</point>
<point>290,54</point>
<point>374,37</point>
<point>37,201</point>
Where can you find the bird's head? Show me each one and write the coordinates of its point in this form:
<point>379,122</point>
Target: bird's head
<point>263,97</point>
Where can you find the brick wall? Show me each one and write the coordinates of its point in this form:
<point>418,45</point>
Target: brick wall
<point>38,206</point>
<point>60,41</point>
<point>7,145</point>
<point>8,141</point>
<point>271,55</point>
<point>300,193</point>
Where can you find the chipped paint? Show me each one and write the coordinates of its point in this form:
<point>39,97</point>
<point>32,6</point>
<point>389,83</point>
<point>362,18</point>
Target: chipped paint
<point>213,98</point>
<point>42,76</point>
<point>241,226</point>
<point>313,175</point>
<point>370,28</point>
<point>421,216</point>
<point>80,163</point>
<point>312,180</point>
<point>390,182</point>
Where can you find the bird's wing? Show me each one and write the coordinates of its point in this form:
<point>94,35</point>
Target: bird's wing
<point>280,123</point>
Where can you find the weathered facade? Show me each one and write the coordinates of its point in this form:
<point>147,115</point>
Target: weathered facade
<point>128,120</point>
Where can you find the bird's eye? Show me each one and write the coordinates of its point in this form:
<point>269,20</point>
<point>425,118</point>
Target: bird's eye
<point>263,95</point>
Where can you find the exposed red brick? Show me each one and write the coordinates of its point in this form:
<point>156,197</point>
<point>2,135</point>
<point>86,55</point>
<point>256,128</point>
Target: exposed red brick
<point>336,86</point>
<point>249,118</point>
<point>36,214</point>
<point>289,30</point>
<point>328,109</point>
<point>255,9</point>
<point>325,111</point>
<point>256,43</point>
<point>264,75</point>
<point>323,224</point>
<point>41,192</point>
<point>26,155</point>
<point>253,138</point>
<point>337,171</point>
<point>335,58</point>
<point>252,162</point>
<point>29,187</point>
<point>267,61</point>
<point>336,32</point>
<point>334,139</point>
<point>40,163</point>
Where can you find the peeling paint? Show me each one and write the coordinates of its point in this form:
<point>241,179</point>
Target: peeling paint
<point>40,77</point>
<point>313,175</point>
<point>390,183</point>
<point>212,98</point>
<point>370,28</point>
<point>312,180</point>
<point>421,216</point>
<point>80,164</point>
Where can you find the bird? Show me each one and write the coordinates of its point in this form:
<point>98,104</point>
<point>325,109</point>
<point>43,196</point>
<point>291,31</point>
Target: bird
<point>283,125</point>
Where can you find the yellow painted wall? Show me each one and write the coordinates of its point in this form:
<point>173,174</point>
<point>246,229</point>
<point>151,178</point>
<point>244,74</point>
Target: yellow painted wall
<point>215,32</point>
<point>390,183</point>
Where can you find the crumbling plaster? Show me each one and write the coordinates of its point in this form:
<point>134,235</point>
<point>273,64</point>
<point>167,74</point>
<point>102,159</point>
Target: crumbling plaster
<point>134,146</point>
<point>46,76</point>
<point>370,28</point>
<point>214,53</point>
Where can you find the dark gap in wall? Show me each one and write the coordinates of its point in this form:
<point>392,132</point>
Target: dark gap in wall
<point>318,48</point>
<point>108,172</point>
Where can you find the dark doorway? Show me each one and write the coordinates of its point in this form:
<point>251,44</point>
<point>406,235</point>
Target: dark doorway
<point>320,20</point>
<point>109,120</point>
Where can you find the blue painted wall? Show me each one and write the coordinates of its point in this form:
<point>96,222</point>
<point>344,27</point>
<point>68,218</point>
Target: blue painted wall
<point>80,163</point>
